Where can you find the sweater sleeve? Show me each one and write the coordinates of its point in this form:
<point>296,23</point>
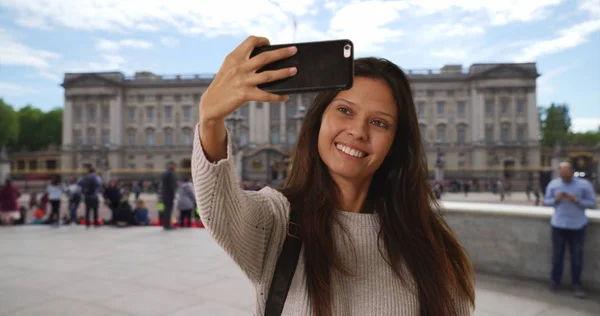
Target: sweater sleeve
<point>242,222</point>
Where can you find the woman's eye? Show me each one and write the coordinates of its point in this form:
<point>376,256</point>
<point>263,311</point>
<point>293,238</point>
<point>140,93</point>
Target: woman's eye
<point>380,123</point>
<point>344,110</point>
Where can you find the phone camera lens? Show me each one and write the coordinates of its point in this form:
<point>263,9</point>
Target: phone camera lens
<point>347,47</point>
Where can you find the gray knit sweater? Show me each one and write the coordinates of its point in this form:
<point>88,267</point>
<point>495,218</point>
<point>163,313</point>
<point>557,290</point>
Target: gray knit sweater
<point>250,226</point>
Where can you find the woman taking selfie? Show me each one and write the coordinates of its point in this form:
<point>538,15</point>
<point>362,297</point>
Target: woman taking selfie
<point>373,241</point>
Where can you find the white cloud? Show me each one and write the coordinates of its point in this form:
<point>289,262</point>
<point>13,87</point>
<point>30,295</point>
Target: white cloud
<point>567,38</point>
<point>107,45</point>
<point>15,53</point>
<point>365,23</point>
<point>147,27</point>
<point>14,90</point>
<point>169,41</point>
<point>590,6</point>
<point>582,125</point>
<point>498,12</point>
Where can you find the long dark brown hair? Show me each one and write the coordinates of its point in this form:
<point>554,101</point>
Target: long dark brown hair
<point>412,229</point>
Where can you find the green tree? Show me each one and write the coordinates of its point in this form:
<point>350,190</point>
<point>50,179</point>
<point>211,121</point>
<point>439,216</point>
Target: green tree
<point>51,127</point>
<point>555,124</point>
<point>9,125</point>
<point>37,129</point>
<point>590,138</point>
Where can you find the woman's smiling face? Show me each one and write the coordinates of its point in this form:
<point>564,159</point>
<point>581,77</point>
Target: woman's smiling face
<point>358,129</point>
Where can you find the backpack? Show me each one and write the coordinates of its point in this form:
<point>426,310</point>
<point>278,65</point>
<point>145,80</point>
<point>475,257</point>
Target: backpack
<point>90,185</point>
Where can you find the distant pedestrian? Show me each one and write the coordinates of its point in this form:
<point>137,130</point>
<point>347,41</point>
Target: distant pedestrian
<point>9,204</point>
<point>90,188</point>
<point>169,187</point>
<point>570,196</point>
<point>55,192</point>
<point>186,202</point>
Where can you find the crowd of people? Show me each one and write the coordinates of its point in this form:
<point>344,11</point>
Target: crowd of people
<point>91,191</point>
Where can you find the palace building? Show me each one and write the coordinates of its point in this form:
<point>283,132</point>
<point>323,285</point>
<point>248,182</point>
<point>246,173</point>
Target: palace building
<point>481,122</point>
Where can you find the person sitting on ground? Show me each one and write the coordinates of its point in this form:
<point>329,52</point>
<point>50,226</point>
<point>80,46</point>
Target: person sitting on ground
<point>123,214</point>
<point>140,213</point>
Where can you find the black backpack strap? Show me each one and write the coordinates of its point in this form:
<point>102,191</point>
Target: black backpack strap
<point>285,268</point>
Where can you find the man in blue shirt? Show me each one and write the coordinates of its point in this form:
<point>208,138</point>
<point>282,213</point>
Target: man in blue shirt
<point>569,196</point>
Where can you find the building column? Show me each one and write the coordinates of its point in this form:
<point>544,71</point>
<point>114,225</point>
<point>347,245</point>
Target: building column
<point>533,122</point>
<point>116,119</point>
<point>477,119</point>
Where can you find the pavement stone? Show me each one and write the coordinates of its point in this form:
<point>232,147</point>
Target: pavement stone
<point>146,271</point>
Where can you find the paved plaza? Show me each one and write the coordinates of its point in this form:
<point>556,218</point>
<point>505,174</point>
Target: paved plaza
<point>146,271</point>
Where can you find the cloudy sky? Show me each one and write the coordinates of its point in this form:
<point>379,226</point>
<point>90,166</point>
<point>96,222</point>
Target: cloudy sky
<point>40,40</point>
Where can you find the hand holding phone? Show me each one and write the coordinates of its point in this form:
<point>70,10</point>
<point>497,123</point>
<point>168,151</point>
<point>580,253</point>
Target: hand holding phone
<point>326,65</point>
<point>236,81</point>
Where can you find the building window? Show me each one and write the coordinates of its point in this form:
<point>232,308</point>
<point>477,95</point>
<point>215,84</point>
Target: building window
<point>105,137</point>
<point>244,137</point>
<point>91,113</point>
<point>77,113</point>
<point>244,111</point>
<point>91,137</point>
<point>150,137</point>
<point>441,133</point>
<point>131,138</point>
<point>489,107</point>
<point>168,113</point>
<point>275,135</point>
<point>187,113</point>
<point>149,113</point>
<point>460,134</point>
<point>21,165</point>
<point>275,111</point>
<point>291,137</point>
<point>505,133</point>
<point>489,134</point>
<point>440,108</point>
<point>291,109</point>
<point>423,131</point>
<point>105,114</point>
<point>33,164</point>
<point>460,108</point>
<point>78,137</point>
<point>521,134</point>
<point>520,107</point>
<point>461,164</point>
<point>187,137</point>
<point>132,114</point>
<point>169,138</point>
<point>504,106</point>
<point>420,108</point>
<point>51,164</point>
<point>140,98</point>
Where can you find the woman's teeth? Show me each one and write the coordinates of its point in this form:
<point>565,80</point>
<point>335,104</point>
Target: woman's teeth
<point>350,151</point>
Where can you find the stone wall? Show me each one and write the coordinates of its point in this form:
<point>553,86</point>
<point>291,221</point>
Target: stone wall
<point>515,241</point>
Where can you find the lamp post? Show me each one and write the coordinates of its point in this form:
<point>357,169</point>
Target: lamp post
<point>439,162</point>
<point>299,117</point>
<point>234,121</point>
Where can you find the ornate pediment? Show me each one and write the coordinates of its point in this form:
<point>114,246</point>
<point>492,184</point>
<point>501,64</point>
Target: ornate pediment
<point>89,80</point>
<point>507,71</point>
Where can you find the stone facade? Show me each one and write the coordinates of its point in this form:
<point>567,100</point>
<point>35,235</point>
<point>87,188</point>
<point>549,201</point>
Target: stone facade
<point>483,119</point>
